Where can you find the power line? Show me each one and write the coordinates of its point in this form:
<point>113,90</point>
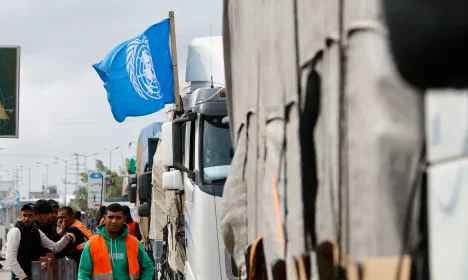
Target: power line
<point>33,156</point>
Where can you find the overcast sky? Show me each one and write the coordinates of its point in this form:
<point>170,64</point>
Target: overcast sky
<point>63,105</point>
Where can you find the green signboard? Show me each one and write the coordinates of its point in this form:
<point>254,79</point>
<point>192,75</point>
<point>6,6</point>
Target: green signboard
<point>9,91</point>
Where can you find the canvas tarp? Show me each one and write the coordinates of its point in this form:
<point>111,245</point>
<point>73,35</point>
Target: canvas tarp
<point>159,205</point>
<point>158,202</point>
<point>166,208</point>
<point>277,74</point>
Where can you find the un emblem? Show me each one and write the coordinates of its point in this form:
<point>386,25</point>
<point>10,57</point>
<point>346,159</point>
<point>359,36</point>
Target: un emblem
<point>141,70</point>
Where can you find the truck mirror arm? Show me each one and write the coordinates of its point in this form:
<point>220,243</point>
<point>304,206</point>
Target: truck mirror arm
<point>182,168</point>
<point>188,118</point>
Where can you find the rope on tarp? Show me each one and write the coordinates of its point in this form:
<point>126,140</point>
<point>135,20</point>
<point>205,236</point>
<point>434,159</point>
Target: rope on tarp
<point>343,188</point>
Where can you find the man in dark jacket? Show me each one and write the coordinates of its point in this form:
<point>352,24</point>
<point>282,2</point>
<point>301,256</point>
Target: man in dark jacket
<point>43,210</point>
<point>25,242</point>
<point>54,214</point>
<point>67,223</point>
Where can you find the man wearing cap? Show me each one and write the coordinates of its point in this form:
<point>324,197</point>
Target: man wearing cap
<point>84,219</point>
<point>25,242</point>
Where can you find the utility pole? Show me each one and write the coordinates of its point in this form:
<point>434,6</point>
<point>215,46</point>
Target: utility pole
<point>47,172</point>
<point>77,167</point>
<point>65,180</point>
<point>77,158</point>
<point>17,178</point>
<point>110,155</point>
<point>66,184</point>
<point>29,179</point>
<point>85,157</point>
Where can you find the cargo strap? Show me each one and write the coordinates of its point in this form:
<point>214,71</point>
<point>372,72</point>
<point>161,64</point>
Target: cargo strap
<point>302,266</point>
<point>255,260</point>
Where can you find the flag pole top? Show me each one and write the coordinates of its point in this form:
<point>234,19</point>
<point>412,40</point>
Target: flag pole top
<point>175,69</point>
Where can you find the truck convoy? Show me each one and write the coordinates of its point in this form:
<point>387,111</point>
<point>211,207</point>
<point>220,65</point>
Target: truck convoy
<point>343,169</point>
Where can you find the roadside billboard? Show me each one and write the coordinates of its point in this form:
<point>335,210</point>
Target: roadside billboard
<point>9,197</point>
<point>9,91</point>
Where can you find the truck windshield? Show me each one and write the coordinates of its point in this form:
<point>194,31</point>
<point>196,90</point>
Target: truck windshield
<point>113,191</point>
<point>217,150</point>
<point>116,199</point>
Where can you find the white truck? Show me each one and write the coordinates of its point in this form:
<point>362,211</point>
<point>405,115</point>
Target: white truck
<point>196,151</point>
<point>343,170</point>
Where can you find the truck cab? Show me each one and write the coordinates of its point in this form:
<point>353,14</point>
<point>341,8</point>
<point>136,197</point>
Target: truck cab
<point>197,149</point>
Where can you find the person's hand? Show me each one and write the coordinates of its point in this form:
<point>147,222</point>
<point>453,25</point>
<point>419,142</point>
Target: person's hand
<point>60,228</point>
<point>70,236</point>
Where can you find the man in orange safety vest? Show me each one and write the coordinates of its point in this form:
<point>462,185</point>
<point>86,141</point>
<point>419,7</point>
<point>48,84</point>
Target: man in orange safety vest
<point>113,253</point>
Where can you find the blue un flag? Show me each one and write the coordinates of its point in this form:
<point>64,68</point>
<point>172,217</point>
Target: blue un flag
<point>137,74</point>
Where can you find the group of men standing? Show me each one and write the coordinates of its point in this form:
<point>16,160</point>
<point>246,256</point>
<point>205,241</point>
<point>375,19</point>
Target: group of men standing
<point>113,253</point>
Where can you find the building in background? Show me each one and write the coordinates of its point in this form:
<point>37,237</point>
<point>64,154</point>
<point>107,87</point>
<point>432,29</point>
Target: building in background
<point>49,192</point>
<point>9,199</point>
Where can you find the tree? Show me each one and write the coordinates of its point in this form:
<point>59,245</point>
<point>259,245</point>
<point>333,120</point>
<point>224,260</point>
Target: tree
<point>84,177</point>
<point>81,197</point>
<point>101,167</point>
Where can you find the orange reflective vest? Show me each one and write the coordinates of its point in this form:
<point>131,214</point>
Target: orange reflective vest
<point>102,268</point>
<point>84,230</point>
<point>132,227</point>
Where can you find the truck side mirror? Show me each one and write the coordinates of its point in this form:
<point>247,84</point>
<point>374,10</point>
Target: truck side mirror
<point>167,145</point>
<point>132,193</point>
<point>144,187</point>
<point>173,180</point>
<point>144,210</point>
<point>172,143</point>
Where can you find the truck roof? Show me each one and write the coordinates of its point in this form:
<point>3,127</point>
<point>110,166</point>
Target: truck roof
<point>205,57</point>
